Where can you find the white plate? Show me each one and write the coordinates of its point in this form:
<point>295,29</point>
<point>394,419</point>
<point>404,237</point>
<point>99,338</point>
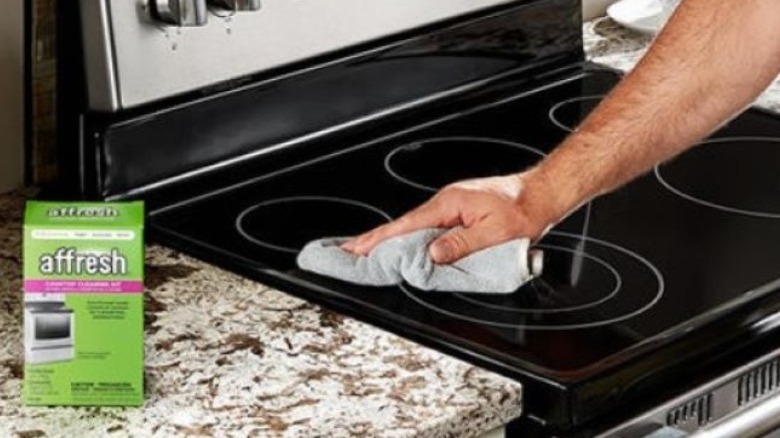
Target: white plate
<point>645,16</point>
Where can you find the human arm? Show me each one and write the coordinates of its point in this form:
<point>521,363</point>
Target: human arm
<point>713,58</point>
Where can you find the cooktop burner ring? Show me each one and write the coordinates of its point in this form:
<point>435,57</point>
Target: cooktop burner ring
<point>711,204</point>
<point>659,293</point>
<point>330,199</point>
<point>421,143</point>
<point>552,114</point>
<point>615,274</point>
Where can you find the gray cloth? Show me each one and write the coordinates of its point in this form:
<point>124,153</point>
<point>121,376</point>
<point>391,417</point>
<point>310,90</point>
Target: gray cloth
<point>499,269</point>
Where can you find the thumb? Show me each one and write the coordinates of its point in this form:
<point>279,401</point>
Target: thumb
<point>460,242</point>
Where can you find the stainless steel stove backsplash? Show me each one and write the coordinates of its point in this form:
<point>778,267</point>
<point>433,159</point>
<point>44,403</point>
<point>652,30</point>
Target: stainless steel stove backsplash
<point>134,57</point>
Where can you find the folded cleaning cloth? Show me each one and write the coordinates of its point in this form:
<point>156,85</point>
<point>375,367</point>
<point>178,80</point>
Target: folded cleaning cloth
<point>498,269</point>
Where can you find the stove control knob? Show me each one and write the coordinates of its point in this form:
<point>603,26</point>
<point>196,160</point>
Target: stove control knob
<point>188,13</point>
<point>237,5</point>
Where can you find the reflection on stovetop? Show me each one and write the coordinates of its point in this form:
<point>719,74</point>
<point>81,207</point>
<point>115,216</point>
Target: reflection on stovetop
<point>621,273</point>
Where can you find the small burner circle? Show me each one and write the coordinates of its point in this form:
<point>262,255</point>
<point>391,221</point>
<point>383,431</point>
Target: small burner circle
<point>654,298</point>
<point>612,293</point>
<point>280,212</point>
<point>567,117</point>
<point>706,165</point>
<point>503,157</point>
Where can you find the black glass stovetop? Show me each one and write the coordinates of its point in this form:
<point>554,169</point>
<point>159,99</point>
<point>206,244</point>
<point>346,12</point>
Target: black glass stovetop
<point>624,276</point>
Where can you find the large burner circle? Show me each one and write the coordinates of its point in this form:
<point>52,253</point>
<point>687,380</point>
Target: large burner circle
<point>739,175</point>
<point>586,266</point>
<point>569,113</point>
<point>599,283</point>
<point>287,224</point>
<point>431,164</point>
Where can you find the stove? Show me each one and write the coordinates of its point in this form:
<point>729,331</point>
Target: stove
<point>658,261</point>
<point>647,292</point>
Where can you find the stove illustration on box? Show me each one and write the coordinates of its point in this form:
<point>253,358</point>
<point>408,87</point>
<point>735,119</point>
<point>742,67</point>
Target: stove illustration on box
<point>49,328</point>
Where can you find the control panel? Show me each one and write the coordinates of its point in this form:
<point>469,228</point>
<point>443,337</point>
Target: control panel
<point>140,51</point>
<point>193,13</point>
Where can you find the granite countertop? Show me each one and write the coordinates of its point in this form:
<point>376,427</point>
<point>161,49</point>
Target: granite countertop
<point>227,356</point>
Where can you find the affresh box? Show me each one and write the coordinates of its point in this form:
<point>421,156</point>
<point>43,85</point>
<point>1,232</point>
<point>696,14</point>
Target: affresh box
<point>83,303</point>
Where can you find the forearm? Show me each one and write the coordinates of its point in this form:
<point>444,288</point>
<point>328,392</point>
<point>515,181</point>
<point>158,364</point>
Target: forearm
<point>711,61</point>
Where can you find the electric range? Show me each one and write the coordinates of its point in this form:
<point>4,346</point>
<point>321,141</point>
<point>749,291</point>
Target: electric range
<point>668,283</point>
<point>630,279</point>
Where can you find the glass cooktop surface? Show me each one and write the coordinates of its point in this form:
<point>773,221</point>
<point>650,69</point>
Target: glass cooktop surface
<point>632,266</point>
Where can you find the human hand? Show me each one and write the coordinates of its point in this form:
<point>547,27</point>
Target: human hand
<point>486,212</point>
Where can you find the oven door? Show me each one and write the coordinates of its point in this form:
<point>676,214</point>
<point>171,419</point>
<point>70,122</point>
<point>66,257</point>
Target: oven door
<point>49,329</point>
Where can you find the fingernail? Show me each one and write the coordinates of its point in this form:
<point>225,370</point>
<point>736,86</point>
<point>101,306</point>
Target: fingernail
<point>440,252</point>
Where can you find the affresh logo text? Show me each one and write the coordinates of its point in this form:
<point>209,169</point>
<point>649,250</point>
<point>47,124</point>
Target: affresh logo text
<point>69,211</point>
<point>69,261</point>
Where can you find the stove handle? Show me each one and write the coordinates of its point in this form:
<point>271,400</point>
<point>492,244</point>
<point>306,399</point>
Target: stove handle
<point>238,5</point>
<point>188,13</point>
<point>755,421</point>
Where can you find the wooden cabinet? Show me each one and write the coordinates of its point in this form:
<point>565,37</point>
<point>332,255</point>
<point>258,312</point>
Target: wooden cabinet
<point>11,95</point>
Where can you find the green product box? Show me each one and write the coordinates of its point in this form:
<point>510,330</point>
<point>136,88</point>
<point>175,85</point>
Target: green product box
<point>83,303</point>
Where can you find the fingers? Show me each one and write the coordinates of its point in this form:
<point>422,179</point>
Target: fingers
<point>460,242</point>
<point>427,215</point>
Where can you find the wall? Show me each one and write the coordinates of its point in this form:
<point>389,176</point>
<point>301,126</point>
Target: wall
<point>11,92</point>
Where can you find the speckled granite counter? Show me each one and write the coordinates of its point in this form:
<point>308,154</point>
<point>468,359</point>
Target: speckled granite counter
<point>226,356</point>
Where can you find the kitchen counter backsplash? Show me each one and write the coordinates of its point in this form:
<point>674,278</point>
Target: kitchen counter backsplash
<point>226,356</point>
